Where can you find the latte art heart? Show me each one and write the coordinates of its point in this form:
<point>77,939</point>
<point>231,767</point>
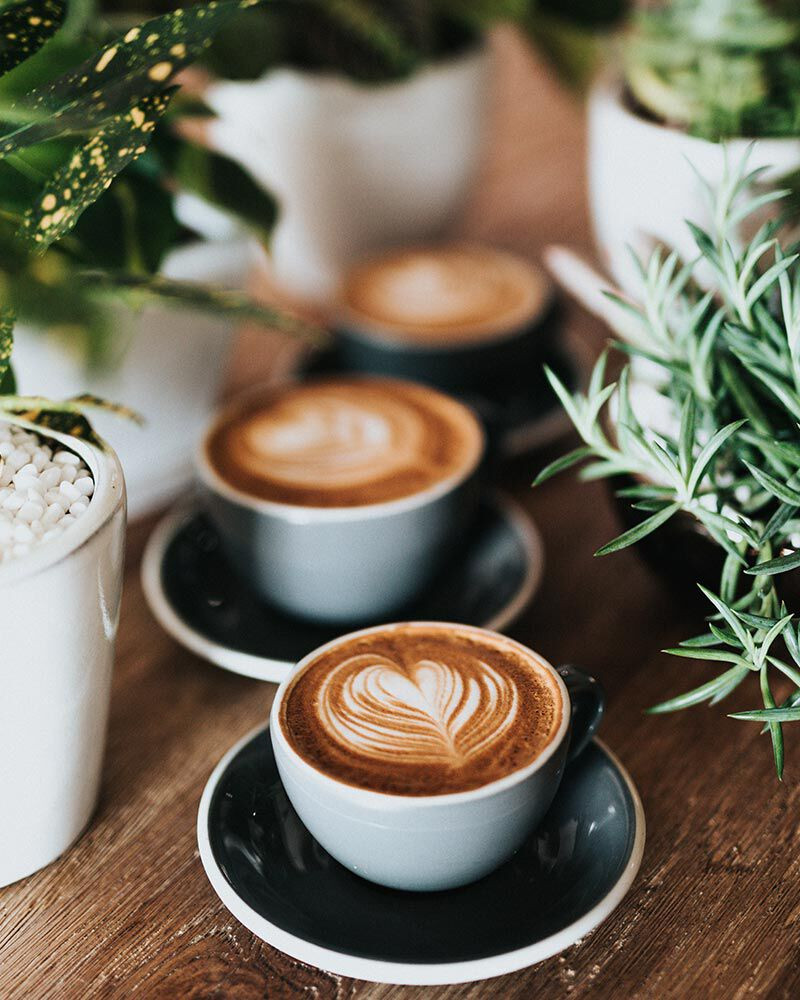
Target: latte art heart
<point>422,708</point>
<point>428,713</point>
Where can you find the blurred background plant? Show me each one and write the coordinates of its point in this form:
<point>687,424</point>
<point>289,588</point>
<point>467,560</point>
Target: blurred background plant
<point>380,40</point>
<point>129,226</point>
<point>718,68</point>
<point>77,107</point>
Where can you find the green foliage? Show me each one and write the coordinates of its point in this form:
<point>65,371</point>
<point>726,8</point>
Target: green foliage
<point>380,40</point>
<point>720,68</point>
<point>64,138</point>
<point>24,28</point>
<point>727,364</point>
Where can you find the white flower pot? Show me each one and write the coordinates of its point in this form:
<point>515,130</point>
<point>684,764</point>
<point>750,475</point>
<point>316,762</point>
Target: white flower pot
<point>642,187</point>
<point>354,167</point>
<point>58,608</point>
<point>171,369</point>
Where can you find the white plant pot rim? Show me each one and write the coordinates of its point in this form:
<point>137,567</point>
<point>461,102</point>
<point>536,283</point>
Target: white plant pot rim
<point>106,499</point>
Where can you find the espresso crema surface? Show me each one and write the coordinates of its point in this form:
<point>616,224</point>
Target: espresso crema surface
<point>417,710</point>
<point>450,294</point>
<point>344,442</point>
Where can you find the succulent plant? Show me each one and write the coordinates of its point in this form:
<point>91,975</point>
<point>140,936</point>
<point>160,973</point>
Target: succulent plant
<point>718,68</point>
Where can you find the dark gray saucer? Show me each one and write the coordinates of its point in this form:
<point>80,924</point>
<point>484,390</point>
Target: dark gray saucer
<point>199,599</point>
<point>276,879</point>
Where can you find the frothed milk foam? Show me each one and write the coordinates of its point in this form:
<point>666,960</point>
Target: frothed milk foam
<point>344,442</point>
<point>451,294</point>
<point>422,710</point>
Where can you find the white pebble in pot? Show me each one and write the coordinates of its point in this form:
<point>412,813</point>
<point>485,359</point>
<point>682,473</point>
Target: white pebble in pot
<point>41,493</point>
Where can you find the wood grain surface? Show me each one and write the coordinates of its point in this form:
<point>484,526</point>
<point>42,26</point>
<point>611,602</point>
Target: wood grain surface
<point>715,911</point>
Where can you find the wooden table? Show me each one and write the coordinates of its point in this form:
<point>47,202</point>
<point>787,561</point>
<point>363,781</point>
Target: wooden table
<point>715,911</point>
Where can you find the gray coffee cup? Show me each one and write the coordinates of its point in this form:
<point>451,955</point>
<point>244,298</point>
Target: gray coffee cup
<point>340,564</point>
<point>424,843</point>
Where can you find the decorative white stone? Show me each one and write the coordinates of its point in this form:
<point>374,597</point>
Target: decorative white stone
<point>36,491</point>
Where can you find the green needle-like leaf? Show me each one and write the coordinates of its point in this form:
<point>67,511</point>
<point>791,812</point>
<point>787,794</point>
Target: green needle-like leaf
<point>687,435</point>
<point>728,680</point>
<point>777,489</point>
<point>782,564</point>
<point>708,452</point>
<point>701,653</point>
<point>564,396</point>
<point>769,715</point>
<point>560,464</point>
<point>639,531</point>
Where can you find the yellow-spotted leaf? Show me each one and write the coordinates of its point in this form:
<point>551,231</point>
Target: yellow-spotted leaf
<point>65,416</point>
<point>91,402</point>
<point>7,319</point>
<point>25,27</point>
<point>90,171</point>
<point>143,61</point>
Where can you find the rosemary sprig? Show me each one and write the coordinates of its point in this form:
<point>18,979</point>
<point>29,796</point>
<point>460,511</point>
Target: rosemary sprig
<point>724,362</point>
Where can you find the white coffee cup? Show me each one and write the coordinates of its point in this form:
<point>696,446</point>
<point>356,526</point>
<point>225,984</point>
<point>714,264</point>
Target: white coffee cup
<point>419,842</point>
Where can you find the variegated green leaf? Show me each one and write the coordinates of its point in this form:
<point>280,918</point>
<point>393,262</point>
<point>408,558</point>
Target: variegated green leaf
<point>25,27</point>
<point>7,320</point>
<point>87,400</point>
<point>141,62</point>
<point>90,171</point>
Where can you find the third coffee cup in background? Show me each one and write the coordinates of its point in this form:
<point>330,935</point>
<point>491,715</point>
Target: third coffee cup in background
<point>459,316</point>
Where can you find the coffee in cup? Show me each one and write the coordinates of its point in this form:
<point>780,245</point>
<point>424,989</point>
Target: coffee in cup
<point>339,498</point>
<point>454,315</point>
<point>422,710</point>
<point>422,754</point>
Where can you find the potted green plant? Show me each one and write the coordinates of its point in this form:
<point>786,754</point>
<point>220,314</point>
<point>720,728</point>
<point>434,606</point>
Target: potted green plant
<point>171,360</point>
<point>62,492</point>
<point>696,78</point>
<point>366,119</point>
<point>726,453</point>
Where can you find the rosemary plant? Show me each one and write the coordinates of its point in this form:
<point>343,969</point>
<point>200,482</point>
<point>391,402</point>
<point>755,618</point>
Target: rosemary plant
<point>727,361</point>
<point>719,68</point>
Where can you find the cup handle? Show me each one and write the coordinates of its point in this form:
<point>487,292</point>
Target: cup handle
<point>588,702</point>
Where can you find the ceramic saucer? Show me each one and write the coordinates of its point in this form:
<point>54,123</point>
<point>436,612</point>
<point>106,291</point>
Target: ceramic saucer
<point>196,596</point>
<point>520,415</point>
<point>276,879</point>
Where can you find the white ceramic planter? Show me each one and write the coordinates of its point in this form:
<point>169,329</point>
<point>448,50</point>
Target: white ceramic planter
<point>172,364</point>
<point>354,167</point>
<point>58,612</point>
<point>642,187</point>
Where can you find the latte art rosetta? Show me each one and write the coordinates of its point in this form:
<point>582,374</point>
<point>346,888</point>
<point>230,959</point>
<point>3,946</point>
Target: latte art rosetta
<point>344,442</point>
<point>332,441</point>
<point>428,713</point>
